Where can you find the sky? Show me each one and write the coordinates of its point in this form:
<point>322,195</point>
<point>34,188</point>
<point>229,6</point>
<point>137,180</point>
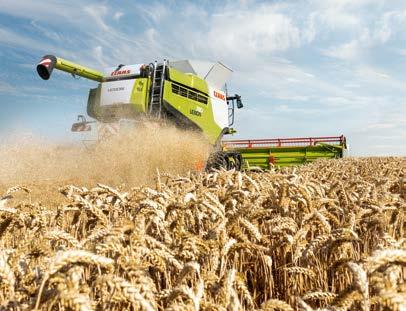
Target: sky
<point>303,68</point>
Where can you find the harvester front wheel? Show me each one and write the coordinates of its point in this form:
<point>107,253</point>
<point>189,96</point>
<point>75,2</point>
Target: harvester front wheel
<point>226,160</point>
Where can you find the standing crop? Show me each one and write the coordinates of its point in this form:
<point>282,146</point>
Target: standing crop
<point>328,235</point>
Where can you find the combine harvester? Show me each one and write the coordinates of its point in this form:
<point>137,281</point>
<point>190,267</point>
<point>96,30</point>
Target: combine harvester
<point>190,95</point>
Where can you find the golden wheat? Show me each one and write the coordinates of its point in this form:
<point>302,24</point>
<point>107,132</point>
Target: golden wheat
<point>328,235</point>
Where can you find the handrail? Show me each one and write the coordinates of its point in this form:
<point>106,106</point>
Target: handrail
<point>284,142</point>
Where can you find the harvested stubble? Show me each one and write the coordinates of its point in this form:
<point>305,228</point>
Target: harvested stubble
<point>327,235</point>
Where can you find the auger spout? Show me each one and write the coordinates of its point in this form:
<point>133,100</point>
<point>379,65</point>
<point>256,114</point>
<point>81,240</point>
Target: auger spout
<point>49,62</point>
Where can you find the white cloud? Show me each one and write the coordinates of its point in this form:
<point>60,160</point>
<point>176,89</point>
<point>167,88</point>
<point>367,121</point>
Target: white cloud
<point>378,79</point>
<point>47,10</point>
<point>352,85</point>
<point>12,39</point>
<point>389,24</point>
<point>98,14</point>
<point>153,12</point>
<point>348,4</point>
<point>346,102</point>
<point>73,13</point>
<point>98,55</point>
<point>6,88</point>
<point>249,33</point>
<point>380,126</point>
<point>288,109</point>
<point>49,33</point>
<point>347,51</point>
<point>118,15</point>
<point>357,27</point>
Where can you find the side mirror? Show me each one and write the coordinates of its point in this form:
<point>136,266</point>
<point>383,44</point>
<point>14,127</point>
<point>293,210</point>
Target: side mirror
<point>82,126</point>
<point>237,98</point>
<point>239,103</point>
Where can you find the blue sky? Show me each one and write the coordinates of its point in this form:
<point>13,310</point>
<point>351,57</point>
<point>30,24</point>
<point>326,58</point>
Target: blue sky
<point>303,68</point>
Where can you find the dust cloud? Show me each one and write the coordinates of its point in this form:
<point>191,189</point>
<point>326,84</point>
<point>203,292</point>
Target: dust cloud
<point>130,158</point>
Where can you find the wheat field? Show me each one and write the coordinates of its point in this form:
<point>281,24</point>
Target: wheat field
<point>324,236</point>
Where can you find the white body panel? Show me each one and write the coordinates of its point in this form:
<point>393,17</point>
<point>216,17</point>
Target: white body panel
<point>116,92</point>
<point>219,106</point>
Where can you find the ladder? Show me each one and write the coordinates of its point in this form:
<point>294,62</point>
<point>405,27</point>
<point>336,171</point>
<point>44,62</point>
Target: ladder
<point>158,78</point>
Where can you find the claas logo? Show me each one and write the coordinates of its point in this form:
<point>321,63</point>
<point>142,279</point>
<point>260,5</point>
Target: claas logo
<point>120,72</point>
<point>219,95</point>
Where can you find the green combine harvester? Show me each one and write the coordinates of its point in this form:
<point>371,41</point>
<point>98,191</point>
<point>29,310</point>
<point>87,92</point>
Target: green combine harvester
<point>191,95</point>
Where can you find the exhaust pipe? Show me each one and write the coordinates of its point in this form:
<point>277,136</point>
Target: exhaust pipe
<point>46,66</point>
<point>49,62</point>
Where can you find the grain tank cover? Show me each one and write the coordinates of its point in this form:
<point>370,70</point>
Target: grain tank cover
<point>183,66</point>
<point>218,75</point>
<point>215,74</point>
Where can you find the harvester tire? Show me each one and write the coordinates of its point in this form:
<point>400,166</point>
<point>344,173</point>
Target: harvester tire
<point>226,160</point>
<point>216,161</point>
